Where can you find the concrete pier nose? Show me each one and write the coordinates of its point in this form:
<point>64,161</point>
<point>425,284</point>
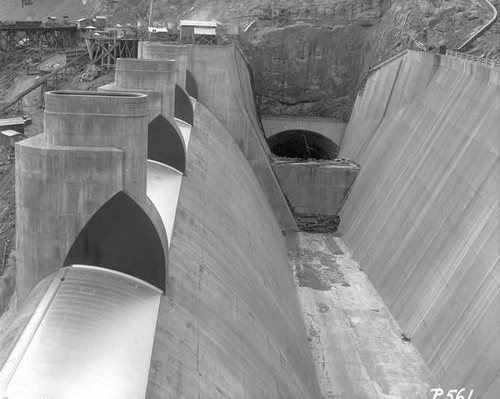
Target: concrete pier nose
<point>96,119</point>
<point>145,75</point>
<point>94,146</point>
<point>159,51</point>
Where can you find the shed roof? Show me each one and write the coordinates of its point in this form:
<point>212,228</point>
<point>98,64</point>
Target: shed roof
<point>10,133</point>
<point>155,29</point>
<point>12,121</point>
<point>186,22</point>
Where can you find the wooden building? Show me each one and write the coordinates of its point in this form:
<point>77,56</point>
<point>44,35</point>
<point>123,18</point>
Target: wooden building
<point>198,32</point>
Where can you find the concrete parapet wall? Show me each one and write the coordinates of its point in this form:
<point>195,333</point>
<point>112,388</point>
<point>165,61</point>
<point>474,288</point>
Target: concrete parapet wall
<point>154,107</point>
<point>224,86</point>
<point>315,188</point>
<point>422,217</point>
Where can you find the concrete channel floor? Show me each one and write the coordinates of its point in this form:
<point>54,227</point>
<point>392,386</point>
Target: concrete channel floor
<point>358,348</point>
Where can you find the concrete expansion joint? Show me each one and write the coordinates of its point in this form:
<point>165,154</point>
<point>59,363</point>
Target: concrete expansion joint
<point>98,114</point>
<point>156,71</point>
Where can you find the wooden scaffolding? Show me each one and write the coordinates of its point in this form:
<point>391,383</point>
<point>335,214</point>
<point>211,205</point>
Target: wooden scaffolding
<point>104,51</point>
<point>13,37</point>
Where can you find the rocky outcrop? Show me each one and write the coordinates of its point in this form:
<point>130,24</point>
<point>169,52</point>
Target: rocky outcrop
<point>306,70</point>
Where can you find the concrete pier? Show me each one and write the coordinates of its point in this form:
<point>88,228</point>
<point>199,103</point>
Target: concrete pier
<point>160,51</point>
<point>154,78</point>
<point>94,146</point>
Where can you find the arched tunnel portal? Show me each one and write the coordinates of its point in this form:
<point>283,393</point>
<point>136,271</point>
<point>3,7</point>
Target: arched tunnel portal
<point>302,144</point>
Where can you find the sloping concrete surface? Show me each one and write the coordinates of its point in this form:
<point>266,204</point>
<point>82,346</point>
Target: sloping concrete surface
<point>422,218</point>
<point>388,90</point>
<point>231,325</point>
<point>224,86</point>
<point>356,343</point>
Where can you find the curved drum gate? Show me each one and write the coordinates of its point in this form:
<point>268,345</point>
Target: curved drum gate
<point>91,336</point>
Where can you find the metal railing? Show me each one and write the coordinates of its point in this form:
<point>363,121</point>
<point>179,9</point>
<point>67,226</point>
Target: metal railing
<point>474,58</point>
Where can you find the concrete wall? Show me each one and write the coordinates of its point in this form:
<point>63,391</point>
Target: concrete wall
<point>161,51</point>
<point>315,188</point>
<point>224,87</point>
<point>422,217</point>
<point>328,127</point>
<point>232,326</point>
<point>93,147</point>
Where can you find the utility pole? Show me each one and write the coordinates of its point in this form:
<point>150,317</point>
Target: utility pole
<point>150,18</point>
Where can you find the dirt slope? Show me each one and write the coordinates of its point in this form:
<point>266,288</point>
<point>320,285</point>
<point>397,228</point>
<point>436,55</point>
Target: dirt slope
<point>41,9</point>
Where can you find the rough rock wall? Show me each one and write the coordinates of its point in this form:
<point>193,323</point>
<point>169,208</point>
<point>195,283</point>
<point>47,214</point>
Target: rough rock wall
<point>447,23</point>
<point>422,217</point>
<point>306,70</point>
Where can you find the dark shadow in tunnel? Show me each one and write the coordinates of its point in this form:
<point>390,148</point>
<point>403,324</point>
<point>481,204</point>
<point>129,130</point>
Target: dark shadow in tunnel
<point>191,85</point>
<point>183,108</point>
<point>302,144</point>
<point>166,144</point>
<point>120,236</point>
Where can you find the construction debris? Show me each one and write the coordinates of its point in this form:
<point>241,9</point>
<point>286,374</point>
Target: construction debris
<point>91,72</point>
<point>318,224</point>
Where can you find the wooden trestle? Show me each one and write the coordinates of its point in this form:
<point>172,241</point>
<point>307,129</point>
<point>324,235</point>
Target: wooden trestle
<point>13,37</point>
<point>104,51</point>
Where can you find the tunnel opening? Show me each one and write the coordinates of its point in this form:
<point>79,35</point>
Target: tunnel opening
<point>302,144</point>
<point>120,236</point>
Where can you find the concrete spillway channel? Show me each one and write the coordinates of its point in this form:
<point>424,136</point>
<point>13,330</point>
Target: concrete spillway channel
<point>151,259</point>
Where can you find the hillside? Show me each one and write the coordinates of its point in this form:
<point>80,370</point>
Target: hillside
<point>12,10</point>
<point>137,10</point>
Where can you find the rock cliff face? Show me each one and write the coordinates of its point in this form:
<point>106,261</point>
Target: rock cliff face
<point>306,70</point>
<point>488,44</point>
<point>312,60</point>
